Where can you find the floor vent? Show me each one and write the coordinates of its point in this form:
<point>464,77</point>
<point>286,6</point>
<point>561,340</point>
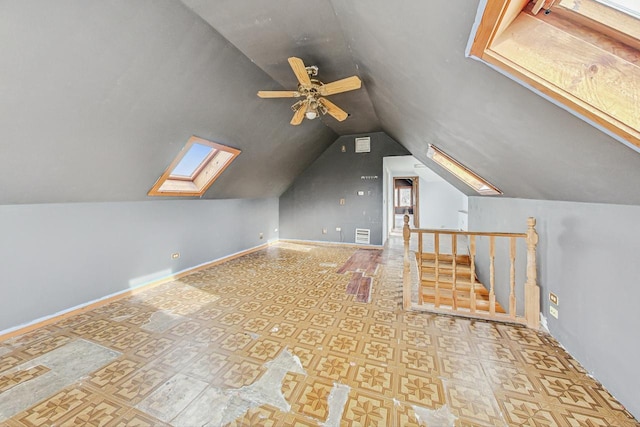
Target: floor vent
<point>363,236</point>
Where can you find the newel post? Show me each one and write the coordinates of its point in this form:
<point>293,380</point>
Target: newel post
<point>531,289</point>
<point>406,275</point>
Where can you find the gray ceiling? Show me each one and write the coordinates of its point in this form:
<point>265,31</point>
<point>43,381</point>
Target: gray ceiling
<point>98,97</point>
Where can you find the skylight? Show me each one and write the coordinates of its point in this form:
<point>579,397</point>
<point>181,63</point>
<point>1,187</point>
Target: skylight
<point>461,172</point>
<point>583,54</point>
<point>191,161</point>
<point>195,168</point>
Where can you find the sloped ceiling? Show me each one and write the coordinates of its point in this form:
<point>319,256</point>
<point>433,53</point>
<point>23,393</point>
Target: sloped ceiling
<point>98,98</point>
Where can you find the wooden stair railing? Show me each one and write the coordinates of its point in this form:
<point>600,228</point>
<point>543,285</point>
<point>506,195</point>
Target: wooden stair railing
<point>448,283</point>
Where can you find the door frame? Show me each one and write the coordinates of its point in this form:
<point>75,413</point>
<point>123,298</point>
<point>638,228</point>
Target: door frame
<point>415,190</point>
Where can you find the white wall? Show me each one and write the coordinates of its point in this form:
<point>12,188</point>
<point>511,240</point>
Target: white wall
<point>440,204</point>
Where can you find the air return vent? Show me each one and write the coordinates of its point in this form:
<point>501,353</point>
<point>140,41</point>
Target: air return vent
<point>363,236</point>
<point>363,145</point>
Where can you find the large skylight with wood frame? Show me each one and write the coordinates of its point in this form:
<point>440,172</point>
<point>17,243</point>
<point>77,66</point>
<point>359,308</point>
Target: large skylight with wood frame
<point>195,168</point>
<point>582,53</point>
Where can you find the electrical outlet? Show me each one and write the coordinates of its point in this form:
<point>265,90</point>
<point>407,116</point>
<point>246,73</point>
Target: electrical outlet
<point>324,231</point>
<point>175,255</point>
<point>553,298</point>
<point>338,229</point>
<point>342,202</point>
<point>553,311</point>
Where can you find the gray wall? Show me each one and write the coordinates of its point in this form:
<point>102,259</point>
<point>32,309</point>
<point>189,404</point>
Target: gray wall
<point>588,256</point>
<point>313,201</point>
<point>57,256</point>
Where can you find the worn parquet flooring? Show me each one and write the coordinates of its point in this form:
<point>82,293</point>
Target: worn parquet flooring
<point>181,353</point>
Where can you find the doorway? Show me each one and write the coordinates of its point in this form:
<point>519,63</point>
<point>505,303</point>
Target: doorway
<point>405,201</point>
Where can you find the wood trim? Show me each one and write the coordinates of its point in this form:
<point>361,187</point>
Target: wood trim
<point>602,19</point>
<point>487,27</point>
<point>609,92</point>
<point>336,244</point>
<point>502,317</point>
<point>127,293</point>
<point>415,197</point>
<point>565,99</point>
<point>467,233</point>
<point>463,173</point>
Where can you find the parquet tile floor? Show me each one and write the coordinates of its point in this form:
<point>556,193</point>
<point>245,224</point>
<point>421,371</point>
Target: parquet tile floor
<point>178,344</point>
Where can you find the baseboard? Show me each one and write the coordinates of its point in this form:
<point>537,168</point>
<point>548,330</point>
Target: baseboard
<point>324,243</point>
<point>47,320</point>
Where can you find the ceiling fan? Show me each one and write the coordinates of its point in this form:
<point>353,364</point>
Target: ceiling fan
<point>312,91</point>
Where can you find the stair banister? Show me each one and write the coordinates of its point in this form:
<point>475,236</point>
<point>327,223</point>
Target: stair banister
<point>531,316</point>
<point>531,289</point>
<point>406,276</point>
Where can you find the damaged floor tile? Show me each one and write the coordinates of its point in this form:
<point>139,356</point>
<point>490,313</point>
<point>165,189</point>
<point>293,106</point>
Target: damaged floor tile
<point>440,417</point>
<point>172,397</point>
<point>161,321</point>
<point>64,366</point>
<point>336,401</point>
<point>217,407</point>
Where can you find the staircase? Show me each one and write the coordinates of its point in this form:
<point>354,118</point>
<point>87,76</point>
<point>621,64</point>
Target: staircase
<point>445,278</point>
<point>447,282</point>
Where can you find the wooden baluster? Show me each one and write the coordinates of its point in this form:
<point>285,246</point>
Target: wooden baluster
<point>512,291</point>
<point>531,289</point>
<point>436,244</point>
<point>406,275</point>
<point>420,251</point>
<point>492,275</point>
<point>472,255</point>
<point>454,251</point>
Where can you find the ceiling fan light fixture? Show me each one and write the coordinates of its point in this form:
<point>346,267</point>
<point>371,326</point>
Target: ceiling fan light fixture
<point>312,109</point>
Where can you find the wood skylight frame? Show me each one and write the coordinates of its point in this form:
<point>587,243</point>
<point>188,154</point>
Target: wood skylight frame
<point>583,54</point>
<point>463,173</point>
<point>201,176</point>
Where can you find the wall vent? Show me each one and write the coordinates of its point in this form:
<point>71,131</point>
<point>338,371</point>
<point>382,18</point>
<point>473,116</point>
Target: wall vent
<point>363,145</point>
<point>363,236</point>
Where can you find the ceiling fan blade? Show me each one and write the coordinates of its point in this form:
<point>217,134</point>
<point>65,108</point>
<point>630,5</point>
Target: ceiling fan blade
<point>298,116</point>
<point>344,85</point>
<point>338,113</point>
<point>300,71</point>
<point>278,94</point>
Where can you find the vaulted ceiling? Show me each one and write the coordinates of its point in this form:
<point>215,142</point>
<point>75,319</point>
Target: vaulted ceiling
<point>99,97</point>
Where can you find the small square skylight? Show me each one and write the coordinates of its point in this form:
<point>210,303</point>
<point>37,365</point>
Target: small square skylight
<point>195,168</point>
